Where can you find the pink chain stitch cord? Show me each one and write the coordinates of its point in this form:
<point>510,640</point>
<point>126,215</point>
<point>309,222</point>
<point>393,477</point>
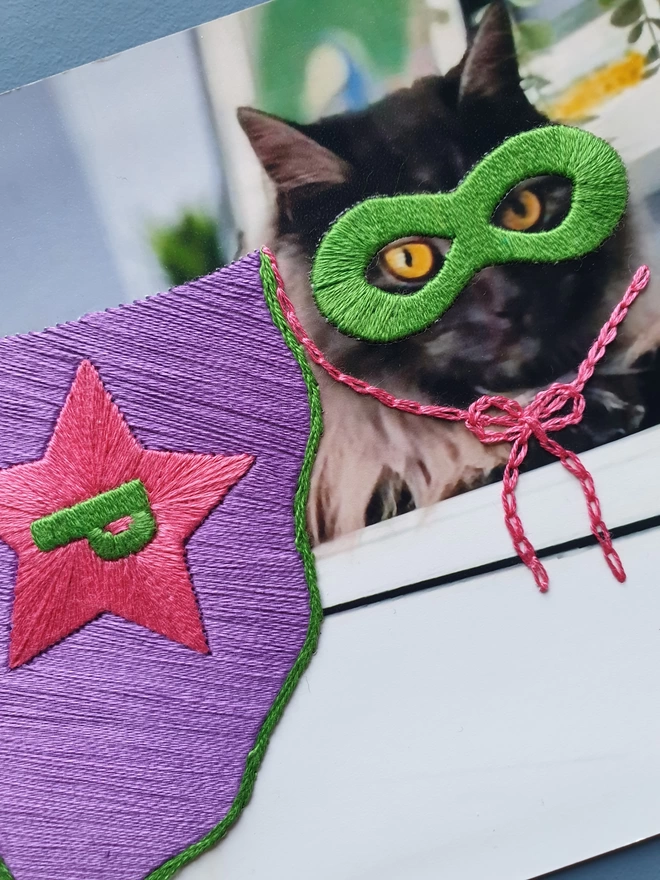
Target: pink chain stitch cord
<point>511,423</point>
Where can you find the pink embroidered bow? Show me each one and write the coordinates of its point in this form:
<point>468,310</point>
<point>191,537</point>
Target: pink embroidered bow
<point>516,424</point>
<point>499,419</point>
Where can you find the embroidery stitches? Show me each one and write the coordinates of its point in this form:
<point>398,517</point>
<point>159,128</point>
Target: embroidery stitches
<point>357,308</point>
<point>516,424</point>
<point>90,519</point>
<point>148,721</point>
<point>127,566</point>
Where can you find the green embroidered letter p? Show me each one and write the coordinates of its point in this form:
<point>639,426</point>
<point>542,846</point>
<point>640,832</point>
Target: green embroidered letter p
<point>90,520</point>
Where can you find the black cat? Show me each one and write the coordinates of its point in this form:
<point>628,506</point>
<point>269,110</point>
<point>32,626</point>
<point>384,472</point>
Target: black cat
<point>513,329</point>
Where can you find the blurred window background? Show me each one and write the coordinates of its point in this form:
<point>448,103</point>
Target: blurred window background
<point>131,174</point>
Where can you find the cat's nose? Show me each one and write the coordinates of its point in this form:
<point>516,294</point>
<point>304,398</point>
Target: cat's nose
<point>498,296</point>
<point>507,312</point>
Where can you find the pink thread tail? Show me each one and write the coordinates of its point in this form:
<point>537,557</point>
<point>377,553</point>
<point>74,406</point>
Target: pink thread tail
<point>500,419</point>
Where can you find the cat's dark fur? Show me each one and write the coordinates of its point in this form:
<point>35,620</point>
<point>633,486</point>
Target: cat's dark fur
<point>513,329</point>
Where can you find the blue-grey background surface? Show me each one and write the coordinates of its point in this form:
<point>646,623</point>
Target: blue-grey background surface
<point>41,37</point>
<point>640,862</point>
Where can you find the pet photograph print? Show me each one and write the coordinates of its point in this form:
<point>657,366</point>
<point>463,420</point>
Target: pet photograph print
<point>174,158</point>
<point>352,283</point>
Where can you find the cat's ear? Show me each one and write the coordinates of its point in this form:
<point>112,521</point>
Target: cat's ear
<point>289,157</point>
<point>490,67</point>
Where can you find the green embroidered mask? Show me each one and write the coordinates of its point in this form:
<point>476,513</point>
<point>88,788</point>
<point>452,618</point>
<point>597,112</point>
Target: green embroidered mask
<point>465,215</point>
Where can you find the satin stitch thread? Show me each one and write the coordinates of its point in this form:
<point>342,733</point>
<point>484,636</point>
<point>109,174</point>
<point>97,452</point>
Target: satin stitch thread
<point>165,738</point>
<point>138,572</point>
<point>464,215</point>
<point>511,423</point>
<point>91,519</point>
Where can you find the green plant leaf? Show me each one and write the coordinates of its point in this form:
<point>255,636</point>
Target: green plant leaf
<point>636,32</point>
<point>533,36</point>
<point>609,4</point>
<point>653,54</point>
<point>188,249</point>
<point>650,71</point>
<point>628,13</point>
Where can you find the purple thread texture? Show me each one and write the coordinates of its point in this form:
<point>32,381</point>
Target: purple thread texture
<point>118,747</point>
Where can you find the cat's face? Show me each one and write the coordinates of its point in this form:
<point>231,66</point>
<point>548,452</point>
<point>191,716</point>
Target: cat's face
<point>512,326</point>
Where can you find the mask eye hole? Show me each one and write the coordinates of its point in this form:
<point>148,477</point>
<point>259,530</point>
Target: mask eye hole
<point>405,265</point>
<point>409,261</point>
<point>535,205</point>
<point>522,212</point>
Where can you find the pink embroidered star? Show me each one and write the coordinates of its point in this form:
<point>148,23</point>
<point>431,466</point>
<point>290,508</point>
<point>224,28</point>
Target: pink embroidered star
<point>99,525</point>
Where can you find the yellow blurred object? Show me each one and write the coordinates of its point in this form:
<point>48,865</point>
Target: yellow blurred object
<point>584,96</point>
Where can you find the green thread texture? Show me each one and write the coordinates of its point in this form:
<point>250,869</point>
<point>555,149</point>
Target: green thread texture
<point>90,518</point>
<point>255,757</point>
<point>464,215</point>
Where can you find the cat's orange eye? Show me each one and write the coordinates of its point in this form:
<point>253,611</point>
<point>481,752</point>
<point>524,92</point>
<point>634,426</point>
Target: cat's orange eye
<point>521,211</point>
<point>409,261</point>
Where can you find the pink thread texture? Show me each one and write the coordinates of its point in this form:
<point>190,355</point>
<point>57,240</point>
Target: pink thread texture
<point>91,451</point>
<point>498,419</point>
